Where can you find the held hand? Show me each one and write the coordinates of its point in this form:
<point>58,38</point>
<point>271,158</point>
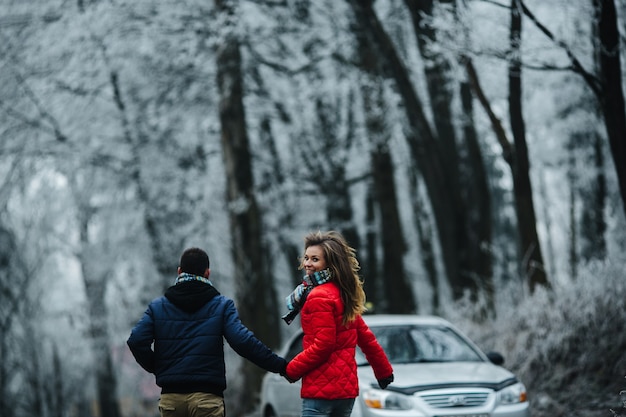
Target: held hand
<point>384,382</point>
<point>283,373</point>
<point>291,381</point>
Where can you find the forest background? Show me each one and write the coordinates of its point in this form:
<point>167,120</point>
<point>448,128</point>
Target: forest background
<point>472,151</point>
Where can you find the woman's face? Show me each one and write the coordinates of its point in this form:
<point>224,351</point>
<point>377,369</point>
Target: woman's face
<point>314,259</point>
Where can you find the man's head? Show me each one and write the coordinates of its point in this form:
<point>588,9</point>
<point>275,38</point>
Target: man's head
<point>194,261</point>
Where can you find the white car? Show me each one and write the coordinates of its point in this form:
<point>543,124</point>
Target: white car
<point>438,371</point>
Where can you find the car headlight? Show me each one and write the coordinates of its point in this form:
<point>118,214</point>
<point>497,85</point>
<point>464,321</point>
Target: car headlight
<point>513,394</point>
<point>386,400</point>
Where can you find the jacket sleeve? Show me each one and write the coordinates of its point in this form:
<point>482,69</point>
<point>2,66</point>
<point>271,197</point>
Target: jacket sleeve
<point>323,335</point>
<point>245,343</point>
<point>372,350</point>
<point>140,341</point>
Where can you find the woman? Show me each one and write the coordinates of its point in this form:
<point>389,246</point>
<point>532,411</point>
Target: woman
<point>332,325</point>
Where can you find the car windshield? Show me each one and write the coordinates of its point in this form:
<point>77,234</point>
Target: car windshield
<point>414,344</point>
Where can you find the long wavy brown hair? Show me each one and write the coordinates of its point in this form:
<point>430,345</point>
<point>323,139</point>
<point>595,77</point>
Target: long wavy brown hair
<point>344,266</point>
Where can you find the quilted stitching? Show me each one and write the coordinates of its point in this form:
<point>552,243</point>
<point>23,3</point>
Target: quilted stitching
<point>327,364</point>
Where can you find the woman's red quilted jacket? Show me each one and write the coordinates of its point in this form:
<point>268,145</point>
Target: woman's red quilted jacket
<point>326,364</point>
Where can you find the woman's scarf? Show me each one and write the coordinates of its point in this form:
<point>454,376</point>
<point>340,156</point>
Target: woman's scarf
<point>296,299</point>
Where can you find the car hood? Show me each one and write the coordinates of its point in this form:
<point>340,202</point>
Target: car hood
<point>410,378</point>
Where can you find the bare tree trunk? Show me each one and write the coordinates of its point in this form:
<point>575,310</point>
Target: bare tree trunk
<point>532,259</point>
<point>464,164</point>
<point>607,86</point>
<point>475,183</point>
<point>374,285</point>
<point>398,292</point>
<point>95,277</point>
<point>439,85</point>
<point>10,300</point>
<point>37,405</point>
<point>339,207</point>
<point>612,97</point>
<point>593,224</point>
<point>422,142</point>
<point>255,291</point>
<point>476,186</point>
<point>165,243</point>
<point>530,251</point>
<point>166,246</point>
<point>275,177</point>
<point>425,236</point>
<point>58,400</point>
<point>336,184</point>
<point>573,218</point>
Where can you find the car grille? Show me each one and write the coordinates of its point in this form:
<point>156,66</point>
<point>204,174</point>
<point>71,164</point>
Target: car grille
<point>463,399</point>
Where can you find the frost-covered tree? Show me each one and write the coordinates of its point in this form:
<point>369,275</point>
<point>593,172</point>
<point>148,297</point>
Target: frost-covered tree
<point>120,102</point>
<point>392,291</point>
<point>611,90</point>
<point>252,275</point>
<point>460,147</point>
<point>531,256</point>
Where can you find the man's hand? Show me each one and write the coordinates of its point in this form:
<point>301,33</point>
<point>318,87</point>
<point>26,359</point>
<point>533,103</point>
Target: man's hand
<point>284,375</point>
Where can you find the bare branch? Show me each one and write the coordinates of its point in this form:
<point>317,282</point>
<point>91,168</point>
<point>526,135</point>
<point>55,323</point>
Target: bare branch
<point>280,67</point>
<point>547,67</point>
<point>507,148</point>
<point>36,123</point>
<point>497,4</point>
<point>54,124</point>
<point>577,67</point>
<point>504,55</point>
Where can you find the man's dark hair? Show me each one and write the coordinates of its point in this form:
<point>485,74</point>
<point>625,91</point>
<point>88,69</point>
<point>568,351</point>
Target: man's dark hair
<point>194,261</point>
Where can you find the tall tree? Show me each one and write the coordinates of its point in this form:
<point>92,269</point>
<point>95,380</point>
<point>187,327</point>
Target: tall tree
<point>399,298</point>
<point>321,136</point>
<point>464,164</point>
<point>423,145</point>
<point>612,95</point>
<point>607,83</point>
<point>397,291</point>
<point>12,296</point>
<point>274,177</point>
<point>530,246</point>
<point>253,279</point>
<point>593,223</point>
<point>515,153</point>
<point>572,178</point>
<point>328,168</point>
<point>475,181</point>
<point>96,267</point>
<point>374,286</point>
<point>426,239</point>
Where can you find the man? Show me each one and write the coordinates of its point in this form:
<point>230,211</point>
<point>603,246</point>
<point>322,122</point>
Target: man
<point>187,326</point>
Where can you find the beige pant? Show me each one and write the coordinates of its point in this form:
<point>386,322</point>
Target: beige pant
<point>197,404</point>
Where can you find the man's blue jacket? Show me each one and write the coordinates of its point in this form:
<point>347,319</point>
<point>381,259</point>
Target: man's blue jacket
<point>187,326</point>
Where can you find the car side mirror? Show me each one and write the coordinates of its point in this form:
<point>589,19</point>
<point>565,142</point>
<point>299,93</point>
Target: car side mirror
<point>495,358</point>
